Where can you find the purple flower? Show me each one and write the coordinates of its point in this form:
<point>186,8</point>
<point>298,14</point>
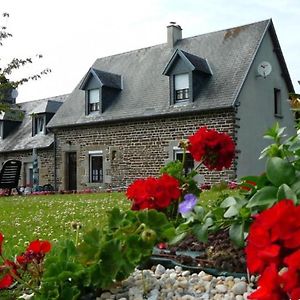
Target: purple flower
<point>188,204</point>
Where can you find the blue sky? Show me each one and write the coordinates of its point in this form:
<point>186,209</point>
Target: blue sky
<point>71,35</point>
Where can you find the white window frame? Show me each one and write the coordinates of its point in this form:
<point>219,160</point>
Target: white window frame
<point>91,155</point>
<point>181,87</point>
<point>93,100</point>
<point>177,150</point>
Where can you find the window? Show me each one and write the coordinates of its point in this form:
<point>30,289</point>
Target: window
<point>28,174</point>
<point>39,124</point>
<point>93,100</point>
<point>277,102</point>
<point>181,83</point>
<point>96,167</point>
<point>189,161</point>
<point>1,130</point>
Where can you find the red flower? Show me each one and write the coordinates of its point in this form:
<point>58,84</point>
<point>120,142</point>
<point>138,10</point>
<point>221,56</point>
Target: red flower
<point>269,286</point>
<point>273,232</point>
<point>6,281</point>
<point>291,278</point>
<point>273,250</point>
<point>8,268</point>
<point>156,193</point>
<point>38,246</point>
<point>215,149</point>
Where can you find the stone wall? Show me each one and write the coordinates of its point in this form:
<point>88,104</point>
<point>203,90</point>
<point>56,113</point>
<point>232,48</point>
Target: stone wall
<point>135,149</point>
<point>45,162</point>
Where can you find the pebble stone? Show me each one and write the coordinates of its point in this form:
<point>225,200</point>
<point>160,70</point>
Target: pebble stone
<point>160,283</point>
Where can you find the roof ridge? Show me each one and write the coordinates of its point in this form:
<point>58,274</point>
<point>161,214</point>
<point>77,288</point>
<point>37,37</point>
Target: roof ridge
<point>186,38</point>
<point>45,99</point>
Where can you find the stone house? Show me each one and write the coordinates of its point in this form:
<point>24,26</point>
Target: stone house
<point>124,119</point>
<point>23,131</point>
<point>126,116</point>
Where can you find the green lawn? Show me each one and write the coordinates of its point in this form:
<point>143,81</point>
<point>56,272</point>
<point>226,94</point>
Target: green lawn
<point>26,218</point>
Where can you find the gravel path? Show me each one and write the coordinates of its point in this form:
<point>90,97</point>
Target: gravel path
<point>176,284</point>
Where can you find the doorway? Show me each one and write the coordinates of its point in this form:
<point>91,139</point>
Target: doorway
<point>71,168</point>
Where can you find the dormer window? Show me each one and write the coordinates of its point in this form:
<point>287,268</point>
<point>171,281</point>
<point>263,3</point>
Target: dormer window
<point>181,85</point>
<point>101,88</point>
<point>39,124</point>
<point>93,100</point>
<point>188,75</point>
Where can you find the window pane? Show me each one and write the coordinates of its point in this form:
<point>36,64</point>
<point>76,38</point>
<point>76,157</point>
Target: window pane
<point>189,161</point>
<point>277,102</point>
<point>181,82</point>
<point>39,124</point>
<point>94,96</point>
<point>96,168</point>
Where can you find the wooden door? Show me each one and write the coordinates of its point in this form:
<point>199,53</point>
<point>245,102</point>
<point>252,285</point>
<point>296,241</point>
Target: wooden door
<point>71,180</point>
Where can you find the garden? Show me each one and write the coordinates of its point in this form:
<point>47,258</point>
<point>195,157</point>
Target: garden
<point>166,237</point>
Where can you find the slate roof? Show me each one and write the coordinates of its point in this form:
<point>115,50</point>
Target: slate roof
<point>145,90</point>
<point>21,138</point>
<point>104,78</point>
<point>196,62</point>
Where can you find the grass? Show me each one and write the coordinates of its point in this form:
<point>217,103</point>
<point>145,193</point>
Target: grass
<point>26,218</point>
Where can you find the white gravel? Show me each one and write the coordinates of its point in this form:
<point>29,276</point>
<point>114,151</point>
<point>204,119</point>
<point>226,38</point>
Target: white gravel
<point>176,284</point>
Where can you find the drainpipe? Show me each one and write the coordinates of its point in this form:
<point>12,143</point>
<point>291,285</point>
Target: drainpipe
<point>55,162</point>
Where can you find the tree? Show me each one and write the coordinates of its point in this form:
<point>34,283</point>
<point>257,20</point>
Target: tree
<point>7,85</point>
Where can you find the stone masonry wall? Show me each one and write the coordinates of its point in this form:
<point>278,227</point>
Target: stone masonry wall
<point>135,149</point>
<point>45,162</point>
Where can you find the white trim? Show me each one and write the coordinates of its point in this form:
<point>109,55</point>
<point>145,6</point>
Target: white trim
<point>96,152</point>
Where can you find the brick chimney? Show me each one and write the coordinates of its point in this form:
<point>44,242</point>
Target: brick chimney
<point>174,34</point>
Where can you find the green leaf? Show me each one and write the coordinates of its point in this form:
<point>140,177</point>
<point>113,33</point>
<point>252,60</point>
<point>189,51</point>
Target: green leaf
<point>295,145</point>
<point>236,234</point>
<point>265,196</point>
<point>229,201</point>
<point>199,210</point>
<point>231,212</point>
<point>285,192</point>
<point>178,238</point>
<point>114,218</point>
<point>296,188</point>
<point>280,171</point>
<point>201,230</point>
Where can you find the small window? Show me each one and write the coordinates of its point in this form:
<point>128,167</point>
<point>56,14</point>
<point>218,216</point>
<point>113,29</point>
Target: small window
<point>28,174</point>
<point>39,124</point>
<point>96,168</point>
<point>189,161</point>
<point>181,87</point>
<point>93,99</point>
<point>1,130</point>
<point>277,102</point>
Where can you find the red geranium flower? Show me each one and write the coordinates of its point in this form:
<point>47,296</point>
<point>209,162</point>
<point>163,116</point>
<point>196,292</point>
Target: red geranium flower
<point>38,246</point>
<point>214,149</point>
<point>7,269</point>
<point>156,193</point>
<point>273,232</point>
<point>291,278</point>
<point>269,286</point>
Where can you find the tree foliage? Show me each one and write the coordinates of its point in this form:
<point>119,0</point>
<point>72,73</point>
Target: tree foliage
<point>6,83</point>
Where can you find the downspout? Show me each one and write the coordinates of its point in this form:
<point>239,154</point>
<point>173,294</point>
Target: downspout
<point>55,162</point>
